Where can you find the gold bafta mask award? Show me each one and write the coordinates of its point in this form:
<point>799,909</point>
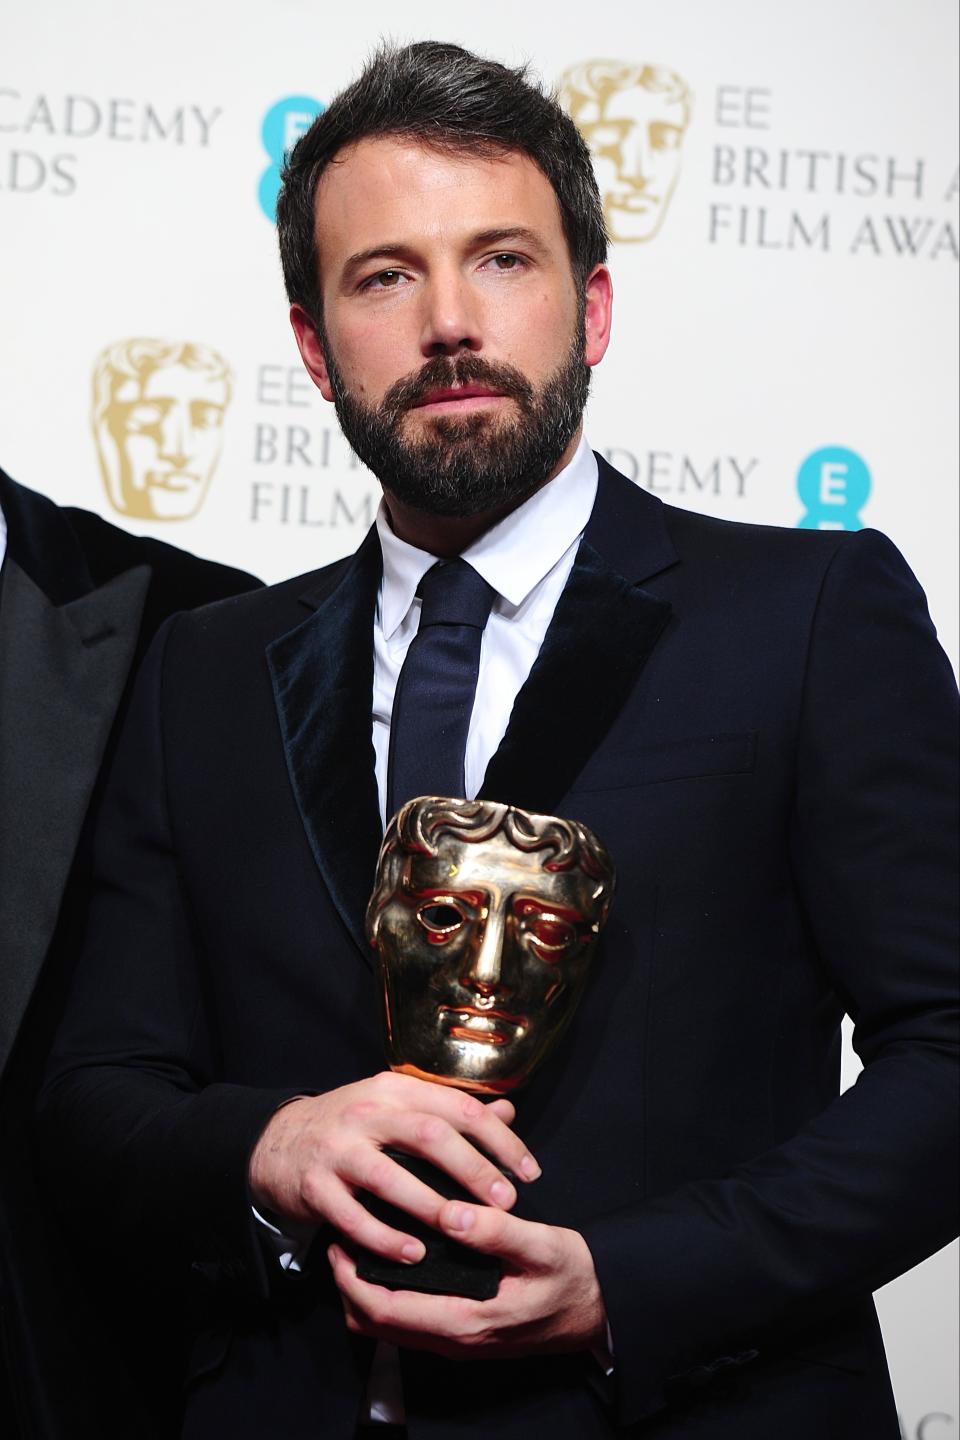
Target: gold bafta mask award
<point>484,918</point>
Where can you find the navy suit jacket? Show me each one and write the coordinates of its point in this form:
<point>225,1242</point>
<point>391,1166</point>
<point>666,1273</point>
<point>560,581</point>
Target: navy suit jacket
<point>759,724</point>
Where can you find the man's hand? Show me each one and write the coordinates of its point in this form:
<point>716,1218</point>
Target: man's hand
<point>316,1152</point>
<point>549,1297</point>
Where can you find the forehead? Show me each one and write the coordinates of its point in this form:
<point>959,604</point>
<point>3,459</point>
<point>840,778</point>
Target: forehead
<point>171,382</point>
<point>462,865</point>
<point>394,191</point>
<point>637,104</point>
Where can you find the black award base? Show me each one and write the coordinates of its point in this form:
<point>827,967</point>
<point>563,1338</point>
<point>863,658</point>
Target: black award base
<point>448,1268</point>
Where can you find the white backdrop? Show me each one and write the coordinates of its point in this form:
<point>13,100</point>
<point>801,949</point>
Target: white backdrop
<point>786,326</point>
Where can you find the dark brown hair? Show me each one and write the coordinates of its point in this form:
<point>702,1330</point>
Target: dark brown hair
<point>444,97</point>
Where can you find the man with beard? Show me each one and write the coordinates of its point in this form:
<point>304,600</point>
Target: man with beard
<point>753,721</point>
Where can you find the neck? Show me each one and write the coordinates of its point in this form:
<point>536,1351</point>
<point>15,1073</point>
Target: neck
<point>449,535</point>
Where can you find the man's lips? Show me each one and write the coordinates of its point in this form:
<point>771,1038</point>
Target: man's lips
<point>457,397</point>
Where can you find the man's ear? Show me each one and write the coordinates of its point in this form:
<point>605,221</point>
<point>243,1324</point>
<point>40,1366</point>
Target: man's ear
<point>598,314</point>
<point>311,350</point>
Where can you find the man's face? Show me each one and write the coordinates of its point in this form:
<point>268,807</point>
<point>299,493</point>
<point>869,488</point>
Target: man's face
<point>483,955</point>
<point>635,139</point>
<point>160,440</point>
<point>453,345</point>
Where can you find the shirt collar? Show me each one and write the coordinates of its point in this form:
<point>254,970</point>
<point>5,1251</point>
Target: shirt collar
<point>513,556</point>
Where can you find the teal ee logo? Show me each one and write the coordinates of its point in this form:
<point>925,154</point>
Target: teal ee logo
<point>834,484</point>
<point>282,127</point>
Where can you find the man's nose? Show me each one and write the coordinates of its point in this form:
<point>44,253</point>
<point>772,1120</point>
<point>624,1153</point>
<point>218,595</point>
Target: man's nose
<point>484,970</point>
<point>451,319</point>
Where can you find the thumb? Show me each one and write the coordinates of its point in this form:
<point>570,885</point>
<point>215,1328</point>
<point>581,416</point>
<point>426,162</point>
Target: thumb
<point>481,1227</point>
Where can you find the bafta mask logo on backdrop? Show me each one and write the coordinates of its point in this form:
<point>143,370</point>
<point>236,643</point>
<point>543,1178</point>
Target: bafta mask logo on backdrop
<point>634,118</point>
<point>158,412</point>
<point>834,485</point>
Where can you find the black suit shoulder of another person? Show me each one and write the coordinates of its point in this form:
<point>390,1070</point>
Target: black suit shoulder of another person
<point>80,602</point>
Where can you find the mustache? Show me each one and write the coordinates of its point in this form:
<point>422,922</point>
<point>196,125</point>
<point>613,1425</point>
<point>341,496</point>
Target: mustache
<point>443,373</point>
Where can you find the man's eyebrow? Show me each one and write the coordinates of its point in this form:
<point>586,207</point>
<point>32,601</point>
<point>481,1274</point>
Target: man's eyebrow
<point>505,235</point>
<point>390,251</point>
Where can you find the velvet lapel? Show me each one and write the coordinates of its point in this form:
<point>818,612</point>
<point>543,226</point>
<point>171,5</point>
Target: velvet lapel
<point>322,676</point>
<point>62,672</point>
<point>602,632</point>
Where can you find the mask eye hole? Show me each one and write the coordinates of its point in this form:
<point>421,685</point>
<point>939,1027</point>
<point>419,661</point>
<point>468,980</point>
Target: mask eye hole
<point>550,935</point>
<point>440,918</point>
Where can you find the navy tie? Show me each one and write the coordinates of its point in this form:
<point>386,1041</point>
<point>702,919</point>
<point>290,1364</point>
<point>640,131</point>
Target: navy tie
<point>437,686</point>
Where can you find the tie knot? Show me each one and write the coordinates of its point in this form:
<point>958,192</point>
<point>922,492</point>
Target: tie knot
<point>452,593</point>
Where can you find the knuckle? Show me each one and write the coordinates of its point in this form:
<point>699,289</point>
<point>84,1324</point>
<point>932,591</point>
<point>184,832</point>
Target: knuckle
<point>359,1111</point>
<point>430,1129</point>
<point>340,1212</point>
<point>479,1171</point>
<point>553,1247</point>
<point>471,1108</point>
<point>378,1312</point>
<point>353,1161</point>
<point>311,1190</point>
<point>377,1171</point>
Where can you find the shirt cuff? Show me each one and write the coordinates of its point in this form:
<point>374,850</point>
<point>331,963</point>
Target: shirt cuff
<point>291,1244</point>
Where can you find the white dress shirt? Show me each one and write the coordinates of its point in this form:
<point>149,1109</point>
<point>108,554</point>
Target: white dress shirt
<point>526,560</point>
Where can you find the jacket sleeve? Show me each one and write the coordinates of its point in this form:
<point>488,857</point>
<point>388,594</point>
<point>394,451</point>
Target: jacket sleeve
<point>870,1187</point>
<point>132,1124</point>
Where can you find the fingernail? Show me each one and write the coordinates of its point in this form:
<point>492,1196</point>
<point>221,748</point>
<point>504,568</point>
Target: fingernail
<point>501,1193</point>
<point>413,1252</point>
<point>462,1218</point>
<point>529,1168</point>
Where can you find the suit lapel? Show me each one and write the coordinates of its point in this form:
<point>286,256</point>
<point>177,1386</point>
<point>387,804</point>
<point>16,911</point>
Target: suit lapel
<point>322,675</point>
<point>62,671</point>
<point>603,629</point>
<point>602,632</point>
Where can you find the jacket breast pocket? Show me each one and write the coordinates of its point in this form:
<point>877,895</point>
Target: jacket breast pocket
<point>683,759</point>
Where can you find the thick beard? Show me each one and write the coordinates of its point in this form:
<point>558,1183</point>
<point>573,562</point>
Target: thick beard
<point>473,464</point>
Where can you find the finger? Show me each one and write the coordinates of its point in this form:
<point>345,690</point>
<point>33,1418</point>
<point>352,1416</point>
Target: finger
<point>431,1137</point>
<point>485,1125</point>
<point>367,1168</point>
<point>404,1316</point>
<point>356,1223</point>
<point>503,1110</point>
<point>523,1243</point>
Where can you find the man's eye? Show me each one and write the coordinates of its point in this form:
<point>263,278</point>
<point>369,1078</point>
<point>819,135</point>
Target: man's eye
<point>440,919</point>
<point>505,261</point>
<point>385,280</point>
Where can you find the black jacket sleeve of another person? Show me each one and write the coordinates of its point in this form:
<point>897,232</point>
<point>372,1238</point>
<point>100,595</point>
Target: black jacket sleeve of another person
<point>80,600</point>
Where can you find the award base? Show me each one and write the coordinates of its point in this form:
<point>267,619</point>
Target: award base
<point>448,1268</point>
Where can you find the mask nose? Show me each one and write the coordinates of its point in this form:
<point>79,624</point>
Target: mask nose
<point>484,971</point>
<point>175,437</point>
